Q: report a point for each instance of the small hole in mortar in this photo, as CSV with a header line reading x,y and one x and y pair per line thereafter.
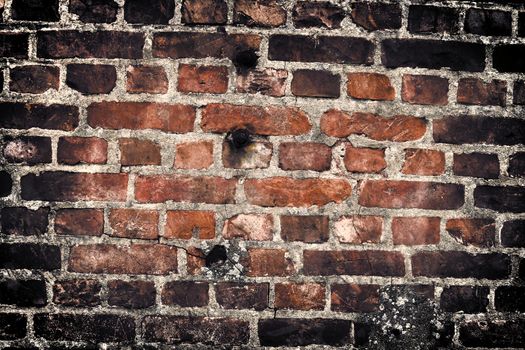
x,y
216,257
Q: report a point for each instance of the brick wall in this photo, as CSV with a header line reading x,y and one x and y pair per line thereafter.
x,y
252,173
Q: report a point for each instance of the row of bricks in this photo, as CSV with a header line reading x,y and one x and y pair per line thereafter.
x,y
184,224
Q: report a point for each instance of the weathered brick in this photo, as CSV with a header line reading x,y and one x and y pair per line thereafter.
x,y
411,194
283,192
91,79
35,10
315,83
253,227
139,152
492,333
303,332
149,12
415,230
205,189
352,262
503,58
433,19
94,11
423,162
174,118
185,293
476,232
77,292
459,264
194,155
6,184
262,262
30,256
24,221
433,54
202,79
329,49
259,13
304,156
74,150
510,298
299,296
481,129
270,120
308,229
14,45
358,229
185,224
476,165
355,297
146,80
513,234
488,22
376,16
12,326
99,44
399,128
27,149
500,198
521,24
133,259
473,91
470,300
517,164
26,116
268,81
131,295
232,295
425,89
34,79
253,155
364,160
79,327
317,14
196,260
23,293
370,86
134,223
67,186
204,11
519,92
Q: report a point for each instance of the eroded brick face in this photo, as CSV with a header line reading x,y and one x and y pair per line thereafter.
x,y
223,174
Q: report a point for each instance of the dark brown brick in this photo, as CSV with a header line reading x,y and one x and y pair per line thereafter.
x,y
473,91
308,229
316,83
185,293
81,293
34,79
146,79
488,22
500,198
304,156
510,298
433,19
470,300
299,296
355,297
91,79
476,165
79,222
513,234
259,13
30,256
503,58
376,16
519,92
12,326
132,294
149,11
317,14
232,295
24,221
139,152
35,10
204,12
26,116
23,293
476,232
74,150
494,333
27,149
94,11
14,45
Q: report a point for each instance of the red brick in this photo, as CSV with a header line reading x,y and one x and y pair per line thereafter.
x,y
254,155
74,150
270,120
358,229
259,13
304,156
34,79
351,262
476,232
206,189
185,293
355,297
399,128
283,192
308,229
204,12
425,90
266,82
305,296
202,79
364,160
194,155
132,294
139,152
79,222
66,186
231,295
90,79
315,83
134,223
370,86
476,165
185,224
77,292
415,231
196,260
411,194
146,80
473,91
262,262
133,259
141,115
253,227
423,162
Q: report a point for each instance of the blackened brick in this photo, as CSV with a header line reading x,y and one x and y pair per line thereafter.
x,y
185,293
132,294
94,11
23,293
330,49
376,16
517,164
302,332
432,19
521,24
513,234
519,92
493,333
12,326
231,295
24,221
308,229
35,10
468,299
355,297
493,131
98,44
500,198
476,165
27,149
308,14
473,91
26,116
315,83
433,54
90,327
77,292
91,79
34,79
204,11
488,22
149,11
504,58
14,45
6,184
29,256
510,298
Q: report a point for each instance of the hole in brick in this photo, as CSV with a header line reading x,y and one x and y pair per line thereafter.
x,y
245,60
6,184
216,257
240,138
395,332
